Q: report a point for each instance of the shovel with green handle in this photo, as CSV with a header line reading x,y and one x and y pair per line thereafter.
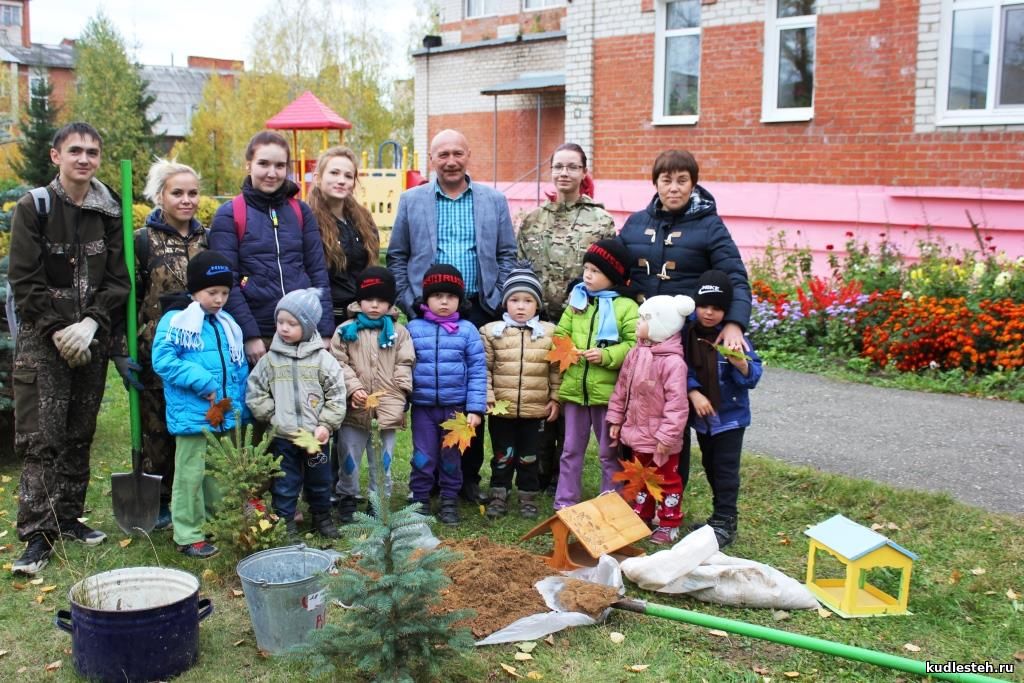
x,y
136,495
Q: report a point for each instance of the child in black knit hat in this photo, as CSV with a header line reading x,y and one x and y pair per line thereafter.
x,y
377,357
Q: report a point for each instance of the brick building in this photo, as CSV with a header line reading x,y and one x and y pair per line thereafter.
x,y
810,115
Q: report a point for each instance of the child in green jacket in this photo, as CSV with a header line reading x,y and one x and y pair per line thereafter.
x,y
601,323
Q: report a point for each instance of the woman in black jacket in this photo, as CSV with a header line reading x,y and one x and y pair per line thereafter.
x,y
351,240
679,236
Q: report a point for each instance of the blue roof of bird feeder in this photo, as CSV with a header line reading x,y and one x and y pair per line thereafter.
x,y
852,540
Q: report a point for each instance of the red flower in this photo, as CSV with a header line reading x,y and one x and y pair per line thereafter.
x,y
849,234
988,238
829,247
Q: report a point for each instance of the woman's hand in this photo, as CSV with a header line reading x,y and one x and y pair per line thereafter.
x,y
255,349
595,356
701,404
732,337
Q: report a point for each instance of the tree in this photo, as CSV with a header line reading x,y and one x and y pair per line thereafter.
x,y
111,95
38,125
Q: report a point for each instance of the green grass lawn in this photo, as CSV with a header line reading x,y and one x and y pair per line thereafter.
x,y
969,559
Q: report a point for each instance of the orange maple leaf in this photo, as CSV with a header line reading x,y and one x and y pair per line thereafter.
x,y
373,400
460,432
218,409
564,353
637,478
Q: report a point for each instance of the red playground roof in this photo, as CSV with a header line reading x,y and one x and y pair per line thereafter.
x,y
307,112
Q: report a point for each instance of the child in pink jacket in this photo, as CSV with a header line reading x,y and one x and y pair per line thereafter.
x,y
648,409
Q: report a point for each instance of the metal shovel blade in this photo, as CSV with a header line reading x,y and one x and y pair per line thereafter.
x,y
136,498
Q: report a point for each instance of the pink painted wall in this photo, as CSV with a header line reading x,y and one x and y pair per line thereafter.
x,y
817,216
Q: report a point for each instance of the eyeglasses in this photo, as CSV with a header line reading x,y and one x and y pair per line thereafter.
x,y
572,168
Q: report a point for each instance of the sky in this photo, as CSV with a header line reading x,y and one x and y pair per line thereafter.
x,y
160,32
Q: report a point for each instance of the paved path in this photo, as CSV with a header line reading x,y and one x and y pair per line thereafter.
x,y
971,448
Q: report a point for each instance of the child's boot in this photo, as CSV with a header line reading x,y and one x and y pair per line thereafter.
x,y
449,513
291,529
346,507
498,505
324,525
528,504
724,528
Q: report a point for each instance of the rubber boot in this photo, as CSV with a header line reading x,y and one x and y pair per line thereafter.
x,y
291,529
528,504
346,508
324,525
724,528
449,513
498,505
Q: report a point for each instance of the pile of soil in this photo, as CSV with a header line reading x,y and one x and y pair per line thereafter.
x,y
496,582
589,598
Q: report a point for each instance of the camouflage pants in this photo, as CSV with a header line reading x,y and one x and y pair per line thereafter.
x,y
55,410
157,444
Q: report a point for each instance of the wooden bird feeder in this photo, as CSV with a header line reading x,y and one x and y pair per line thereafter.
x,y
605,525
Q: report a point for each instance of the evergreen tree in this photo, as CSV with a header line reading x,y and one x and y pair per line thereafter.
x,y
390,630
111,95
38,127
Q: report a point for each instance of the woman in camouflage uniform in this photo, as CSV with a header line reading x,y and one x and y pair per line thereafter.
x,y
554,237
171,237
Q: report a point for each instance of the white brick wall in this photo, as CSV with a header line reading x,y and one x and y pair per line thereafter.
x,y
619,18
579,75
928,38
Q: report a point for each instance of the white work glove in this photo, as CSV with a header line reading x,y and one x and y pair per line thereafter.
x,y
80,359
75,339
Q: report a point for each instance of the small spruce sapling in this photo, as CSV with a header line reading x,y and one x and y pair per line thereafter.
x,y
392,630
244,518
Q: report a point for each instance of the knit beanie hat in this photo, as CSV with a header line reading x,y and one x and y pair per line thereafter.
x,y
442,277
305,305
522,279
208,269
714,288
612,258
376,282
665,315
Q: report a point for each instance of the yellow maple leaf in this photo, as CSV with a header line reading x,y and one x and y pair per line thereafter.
x,y
563,352
306,441
373,400
460,432
499,408
264,524
637,478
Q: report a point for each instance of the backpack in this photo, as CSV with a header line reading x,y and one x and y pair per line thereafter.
x,y
41,200
238,210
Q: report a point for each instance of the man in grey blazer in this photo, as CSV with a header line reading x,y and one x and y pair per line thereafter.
x,y
457,222
462,224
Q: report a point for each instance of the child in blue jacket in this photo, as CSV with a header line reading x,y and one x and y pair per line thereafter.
x,y
450,377
199,355
718,388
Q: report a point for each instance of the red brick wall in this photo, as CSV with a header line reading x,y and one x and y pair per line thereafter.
x,y
517,142
862,132
63,81
485,28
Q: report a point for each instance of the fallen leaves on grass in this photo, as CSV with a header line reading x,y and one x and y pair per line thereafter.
x,y
637,478
47,589
616,637
238,642
1012,594
460,432
527,646
534,675
780,615
510,670
1019,655
824,613
978,571
637,668
563,352
235,593
791,674
718,632
53,666
37,582
124,543
910,647
954,577
522,656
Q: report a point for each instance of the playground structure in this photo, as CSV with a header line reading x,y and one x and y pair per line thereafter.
x,y
379,187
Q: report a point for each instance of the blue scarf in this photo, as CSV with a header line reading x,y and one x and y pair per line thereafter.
x,y
386,337
607,325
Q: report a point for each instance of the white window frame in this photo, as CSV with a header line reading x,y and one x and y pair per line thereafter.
x,y
35,78
534,5
773,26
990,115
484,3
13,11
661,36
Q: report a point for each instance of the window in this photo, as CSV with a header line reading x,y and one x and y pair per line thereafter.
x,y
789,33
36,83
10,15
981,62
541,4
481,8
677,62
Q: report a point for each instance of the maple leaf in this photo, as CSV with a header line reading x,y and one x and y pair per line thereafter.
x,y
563,352
499,408
306,441
637,478
460,432
373,400
218,409
727,352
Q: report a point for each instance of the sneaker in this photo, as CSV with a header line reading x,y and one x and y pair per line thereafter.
x,y
664,535
80,532
498,506
449,513
163,520
200,550
725,530
36,555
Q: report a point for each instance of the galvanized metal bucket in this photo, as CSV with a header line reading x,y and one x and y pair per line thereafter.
x,y
285,593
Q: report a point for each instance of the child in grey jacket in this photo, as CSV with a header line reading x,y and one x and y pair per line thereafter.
x,y
298,385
